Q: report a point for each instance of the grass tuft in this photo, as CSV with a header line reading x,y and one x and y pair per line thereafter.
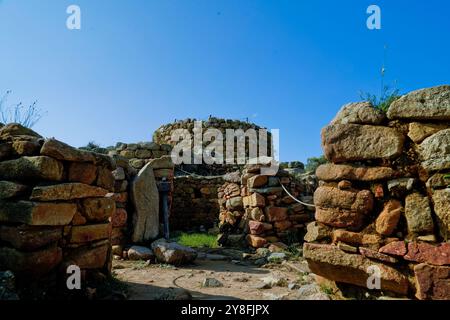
x,y
197,240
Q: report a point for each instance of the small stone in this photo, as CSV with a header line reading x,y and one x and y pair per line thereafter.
x,y
344,185
276,257
396,248
388,219
372,254
418,214
211,283
347,248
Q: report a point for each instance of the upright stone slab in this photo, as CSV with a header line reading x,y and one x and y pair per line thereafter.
x,y
145,198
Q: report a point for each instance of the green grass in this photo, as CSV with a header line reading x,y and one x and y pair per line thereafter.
x,y
197,240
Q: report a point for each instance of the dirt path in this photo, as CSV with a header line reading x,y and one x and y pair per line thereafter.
x,y
156,282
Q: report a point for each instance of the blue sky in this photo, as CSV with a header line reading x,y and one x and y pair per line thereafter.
x,y
286,64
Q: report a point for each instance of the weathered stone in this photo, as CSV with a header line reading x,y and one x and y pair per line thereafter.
x,y
347,248
145,198
425,104
330,262
255,241
119,174
66,191
98,209
344,185
82,172
137,163
428,238
89,233
434,151
37,214
359,113
105,179
254,200
211,283
93,256
427,253
61,151
29,238
78,219
401,186
420,131
26,146
441,200
165,162
16,129
372,254
396,248
418,214
173,253
259,227
30,264
234,203
128,154
388,219
281,226
340,218
31,168
119,218
143,154
352,142
257,181
11,189
432,283
317,231
355,238
274,214
140,253
337,172
354,200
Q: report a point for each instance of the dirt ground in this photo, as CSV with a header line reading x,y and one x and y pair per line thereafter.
x,y
240,280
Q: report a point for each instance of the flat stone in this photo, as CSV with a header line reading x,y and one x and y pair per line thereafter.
x,y
331,263
418,214
347,248
66,191
98,209
353,142
16,129
441,200
359,113
425,104
340,218
438,180
254,200
30,264
432,283
29,238
257,181
420,131
105,179
31,168
37,214
82,172
234,203
259,227
11,189
173,253
388,219
354,200
396,248
62,151
427,253
372,254
93,256
356,238
90,233
145,198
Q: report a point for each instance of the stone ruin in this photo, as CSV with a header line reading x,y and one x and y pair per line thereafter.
x,y
383,202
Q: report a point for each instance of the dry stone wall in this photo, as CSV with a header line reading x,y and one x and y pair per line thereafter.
x,y
384,198
257,212
56,206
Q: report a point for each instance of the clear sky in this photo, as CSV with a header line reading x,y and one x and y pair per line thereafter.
x,y
285,64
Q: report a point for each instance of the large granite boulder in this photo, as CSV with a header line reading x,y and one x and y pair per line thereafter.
x,y
338,172
435,151
353,142
426,104
145,198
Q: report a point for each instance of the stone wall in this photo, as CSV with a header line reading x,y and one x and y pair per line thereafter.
x,y
139,154
257,211
384,200
56,205
195,203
